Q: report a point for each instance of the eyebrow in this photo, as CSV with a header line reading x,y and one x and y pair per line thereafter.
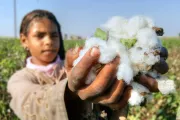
x,y
53,32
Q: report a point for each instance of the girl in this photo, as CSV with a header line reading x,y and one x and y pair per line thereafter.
x,y
45,90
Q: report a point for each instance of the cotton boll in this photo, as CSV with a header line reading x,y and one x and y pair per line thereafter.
x,y
151,59
120,49
150,22
107,54
147,37
125,72
135,24
117,45
116,27
165,85
93,41
136,55
136,98
115,23
118,34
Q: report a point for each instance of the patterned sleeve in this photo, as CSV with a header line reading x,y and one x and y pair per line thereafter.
x,y
32,101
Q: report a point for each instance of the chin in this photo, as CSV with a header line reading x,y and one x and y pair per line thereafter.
x,y
49,59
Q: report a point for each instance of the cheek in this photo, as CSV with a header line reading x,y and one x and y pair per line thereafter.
x,y
57,44
35,47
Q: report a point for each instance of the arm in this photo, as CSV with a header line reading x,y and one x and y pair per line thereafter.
x,y
33,101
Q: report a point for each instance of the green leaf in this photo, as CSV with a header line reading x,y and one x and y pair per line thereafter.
x,y
172,77
128,42
101,34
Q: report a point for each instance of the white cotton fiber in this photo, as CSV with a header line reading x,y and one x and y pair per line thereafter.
x,y
135,24
147,38
150,59
165,85
125,72
115,24
116,27
107,54
142,62
136,98
150,22
117,45
93,41
137,55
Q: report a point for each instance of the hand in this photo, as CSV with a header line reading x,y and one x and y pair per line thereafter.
x,y
105,89
102,90
161,67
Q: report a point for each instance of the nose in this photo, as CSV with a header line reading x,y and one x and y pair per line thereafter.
x,y
48,40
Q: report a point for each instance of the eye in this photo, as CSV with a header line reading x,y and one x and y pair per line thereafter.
x,y
54,35
40,35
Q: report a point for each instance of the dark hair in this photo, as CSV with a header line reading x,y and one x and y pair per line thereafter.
x,y
35,14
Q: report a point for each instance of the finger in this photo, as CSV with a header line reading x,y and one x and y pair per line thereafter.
x,y
114,94
71,55
102,82
76,77
124,99
148,82
164,53
161,66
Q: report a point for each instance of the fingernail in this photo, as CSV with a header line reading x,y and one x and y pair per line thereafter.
x,y
95,52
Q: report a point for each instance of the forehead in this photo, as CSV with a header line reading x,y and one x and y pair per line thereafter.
x,y
42,25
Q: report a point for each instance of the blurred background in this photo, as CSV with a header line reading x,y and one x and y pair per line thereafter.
x,y
79,19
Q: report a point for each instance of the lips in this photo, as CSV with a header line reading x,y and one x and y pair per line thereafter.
x,y
49,51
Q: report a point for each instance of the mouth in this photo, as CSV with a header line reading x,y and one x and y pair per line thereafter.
x,y
49,51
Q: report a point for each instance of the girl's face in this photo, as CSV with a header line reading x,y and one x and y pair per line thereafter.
x,y
42,40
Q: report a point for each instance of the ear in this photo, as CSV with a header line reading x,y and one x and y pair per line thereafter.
x,y
24,41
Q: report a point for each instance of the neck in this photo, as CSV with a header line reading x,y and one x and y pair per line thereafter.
x,y
40,63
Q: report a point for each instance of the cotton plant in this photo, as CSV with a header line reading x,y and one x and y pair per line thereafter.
x,y
138,46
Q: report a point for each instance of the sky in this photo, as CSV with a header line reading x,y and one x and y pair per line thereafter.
x,y
82,17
